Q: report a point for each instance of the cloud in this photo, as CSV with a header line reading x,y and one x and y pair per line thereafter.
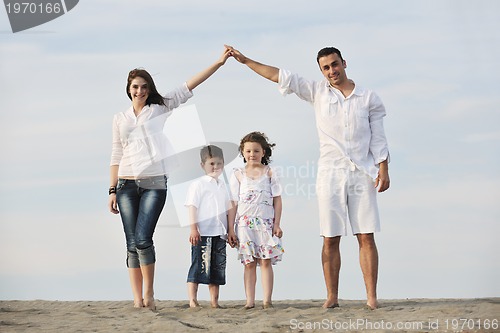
x,y
482,137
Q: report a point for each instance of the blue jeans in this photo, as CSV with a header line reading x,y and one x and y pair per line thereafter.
x,y
140,203
208,261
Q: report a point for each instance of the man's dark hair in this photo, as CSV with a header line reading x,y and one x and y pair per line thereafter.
x,y
327,51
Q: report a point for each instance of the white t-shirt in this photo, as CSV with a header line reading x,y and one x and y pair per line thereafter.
x,y
211,199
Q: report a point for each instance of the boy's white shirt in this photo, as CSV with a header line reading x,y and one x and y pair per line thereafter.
x,y
210,197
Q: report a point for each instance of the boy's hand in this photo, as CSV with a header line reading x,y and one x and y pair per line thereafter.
x,y
232,239
194,237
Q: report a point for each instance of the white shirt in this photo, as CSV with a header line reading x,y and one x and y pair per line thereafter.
x,y
140,147
211,199
350,129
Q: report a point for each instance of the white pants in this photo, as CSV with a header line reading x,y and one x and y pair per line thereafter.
x,y
346,196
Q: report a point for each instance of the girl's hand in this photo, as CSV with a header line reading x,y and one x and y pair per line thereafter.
x,y
112,204
277,231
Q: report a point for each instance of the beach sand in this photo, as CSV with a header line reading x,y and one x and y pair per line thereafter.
x,y
410,315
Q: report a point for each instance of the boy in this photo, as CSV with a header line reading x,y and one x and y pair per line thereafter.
x,y
208,203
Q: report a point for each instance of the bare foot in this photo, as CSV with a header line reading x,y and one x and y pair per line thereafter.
x,y
267,305
372,305
330,304
249,306
194,304
150,303
138,304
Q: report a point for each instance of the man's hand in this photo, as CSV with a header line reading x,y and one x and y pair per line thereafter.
x,y
269,72
383,182
236,54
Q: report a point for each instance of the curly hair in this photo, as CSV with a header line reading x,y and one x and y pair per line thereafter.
x,y
261,139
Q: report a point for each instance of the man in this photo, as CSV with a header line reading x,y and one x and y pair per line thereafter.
x,y
353,161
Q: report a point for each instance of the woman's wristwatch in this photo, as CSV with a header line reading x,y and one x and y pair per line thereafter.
x,y
112,189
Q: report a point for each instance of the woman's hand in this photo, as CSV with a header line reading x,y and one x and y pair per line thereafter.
x,y
112,204
202,76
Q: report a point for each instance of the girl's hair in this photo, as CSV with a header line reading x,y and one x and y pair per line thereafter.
x,y
154,96
261,139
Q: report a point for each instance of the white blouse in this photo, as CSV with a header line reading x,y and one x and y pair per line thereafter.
x,y
140,147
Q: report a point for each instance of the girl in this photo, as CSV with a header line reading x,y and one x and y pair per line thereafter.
x,y
138,180
256,192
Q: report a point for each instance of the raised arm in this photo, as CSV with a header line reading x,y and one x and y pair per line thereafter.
x,y
199,78
269,72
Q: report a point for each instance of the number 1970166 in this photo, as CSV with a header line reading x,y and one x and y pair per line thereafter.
x,y
33,8
462,323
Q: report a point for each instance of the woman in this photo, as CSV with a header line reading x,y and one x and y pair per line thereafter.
x,y
138,181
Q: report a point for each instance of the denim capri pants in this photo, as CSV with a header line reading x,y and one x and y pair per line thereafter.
x,y
208,261
140,202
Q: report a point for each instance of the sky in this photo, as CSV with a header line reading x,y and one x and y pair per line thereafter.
x,y
433,63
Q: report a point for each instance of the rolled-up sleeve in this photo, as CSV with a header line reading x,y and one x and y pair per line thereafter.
x,y
178,96
378,143
289,83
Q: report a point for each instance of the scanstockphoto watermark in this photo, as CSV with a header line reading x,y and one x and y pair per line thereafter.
x,y
433,324
357,325
26,14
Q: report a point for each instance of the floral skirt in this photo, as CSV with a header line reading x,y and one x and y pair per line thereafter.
x,y
256,240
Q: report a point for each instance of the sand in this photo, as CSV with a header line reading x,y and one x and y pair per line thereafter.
x,y
410,315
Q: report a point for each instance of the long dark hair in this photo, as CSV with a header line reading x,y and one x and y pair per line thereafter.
x,y
261,139
154,96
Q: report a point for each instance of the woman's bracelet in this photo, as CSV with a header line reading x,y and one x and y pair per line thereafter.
x,y
112,190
